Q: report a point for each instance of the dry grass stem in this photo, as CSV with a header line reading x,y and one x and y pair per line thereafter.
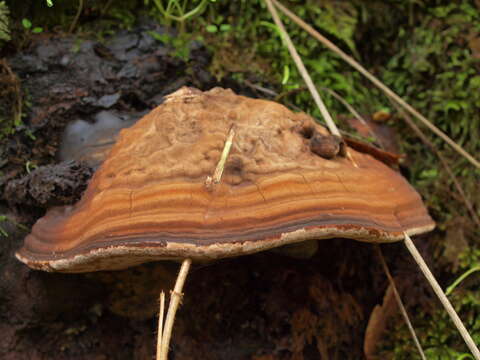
x,y
374,80
175,299
217,175
442,297
161,314
356,115
400,302
260,88
303,71
346,104
350,157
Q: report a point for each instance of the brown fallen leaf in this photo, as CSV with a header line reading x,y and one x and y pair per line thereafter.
x,y
377,324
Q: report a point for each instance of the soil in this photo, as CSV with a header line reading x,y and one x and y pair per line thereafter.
x,y
265,306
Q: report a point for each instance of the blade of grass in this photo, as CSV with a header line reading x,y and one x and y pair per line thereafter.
x,y
460,279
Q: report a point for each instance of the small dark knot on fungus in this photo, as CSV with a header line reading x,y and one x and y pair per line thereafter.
x,y
326,146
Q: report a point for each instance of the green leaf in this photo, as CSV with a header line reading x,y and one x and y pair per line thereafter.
x,y
429,174
164,38
286,74
211,28
27,24
225,27
475,82
451,105
37,30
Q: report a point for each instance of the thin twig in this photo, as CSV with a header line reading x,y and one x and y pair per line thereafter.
x,y
303,71
260,88
444,163
77,16
175,298
273,94
290,92
400,302
217,175
161,315
375,81
441,296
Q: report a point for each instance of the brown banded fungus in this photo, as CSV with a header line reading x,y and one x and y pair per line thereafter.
x,y
283,182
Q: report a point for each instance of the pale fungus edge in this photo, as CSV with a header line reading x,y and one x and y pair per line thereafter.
x,y
123,256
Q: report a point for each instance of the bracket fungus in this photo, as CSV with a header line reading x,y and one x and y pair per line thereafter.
x,y
283,182
208,175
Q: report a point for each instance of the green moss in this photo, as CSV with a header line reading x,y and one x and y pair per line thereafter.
x,y
4,21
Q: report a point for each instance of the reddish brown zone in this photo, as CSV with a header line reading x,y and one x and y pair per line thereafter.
x,y
386,157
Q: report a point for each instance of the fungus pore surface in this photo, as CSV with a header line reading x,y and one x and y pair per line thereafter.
x,y
149,199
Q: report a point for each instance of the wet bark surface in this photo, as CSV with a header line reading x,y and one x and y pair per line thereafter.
x,y
264,306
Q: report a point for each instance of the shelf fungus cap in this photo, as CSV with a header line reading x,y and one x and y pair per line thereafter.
x,y
149,200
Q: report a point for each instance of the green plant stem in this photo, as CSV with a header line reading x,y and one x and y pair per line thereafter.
x,y
196,11
77,16
460,279
183,16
